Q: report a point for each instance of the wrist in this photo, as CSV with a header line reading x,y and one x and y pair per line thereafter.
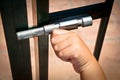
x,y
81,65
91,63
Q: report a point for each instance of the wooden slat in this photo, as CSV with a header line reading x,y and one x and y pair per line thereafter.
x,y
42,17
14,15
43,57
32,21
102,30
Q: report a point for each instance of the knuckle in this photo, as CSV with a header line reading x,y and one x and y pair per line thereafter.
x,y
60,54
52,40
55,47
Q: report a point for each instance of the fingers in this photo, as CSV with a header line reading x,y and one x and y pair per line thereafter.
x,y
59,31
59,35
65,54
68,46
61,45
58,38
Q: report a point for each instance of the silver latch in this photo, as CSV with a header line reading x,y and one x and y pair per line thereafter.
x,y
47,29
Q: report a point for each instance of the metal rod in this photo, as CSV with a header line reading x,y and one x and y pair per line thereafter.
x,y
47,29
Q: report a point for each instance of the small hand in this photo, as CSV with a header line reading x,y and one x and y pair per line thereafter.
x,y
69,47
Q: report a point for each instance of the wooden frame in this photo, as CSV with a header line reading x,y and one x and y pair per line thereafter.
x,y
14,17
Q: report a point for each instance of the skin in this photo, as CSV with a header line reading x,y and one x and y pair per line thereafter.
x,y
69,47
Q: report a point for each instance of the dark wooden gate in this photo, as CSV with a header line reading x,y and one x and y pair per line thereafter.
x,y
14,18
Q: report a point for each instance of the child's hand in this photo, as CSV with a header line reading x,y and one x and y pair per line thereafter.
x,y
69,47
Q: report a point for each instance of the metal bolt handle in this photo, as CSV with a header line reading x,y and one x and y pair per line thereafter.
x,y
47,29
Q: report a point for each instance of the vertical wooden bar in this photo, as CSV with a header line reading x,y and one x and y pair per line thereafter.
x,y
102,30
42,15
32,21
14,15
43,57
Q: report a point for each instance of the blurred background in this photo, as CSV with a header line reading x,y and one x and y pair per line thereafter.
x,y
59,70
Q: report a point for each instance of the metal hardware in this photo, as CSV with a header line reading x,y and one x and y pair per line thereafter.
x,y
47,29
